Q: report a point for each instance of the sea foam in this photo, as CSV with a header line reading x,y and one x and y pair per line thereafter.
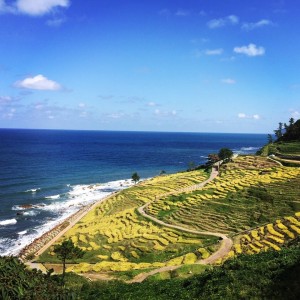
x,y
8,222
62,207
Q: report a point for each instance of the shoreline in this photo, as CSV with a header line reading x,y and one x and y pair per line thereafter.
x,y
42,243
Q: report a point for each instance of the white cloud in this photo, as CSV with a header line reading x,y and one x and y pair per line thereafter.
x,y
117,115
295,114
56,22
10,114
33,7
228,81
210,52
5,100
38,82
245,116
151,103
39,7
182,13
217,23
233,19
165,114
259,24
214,51
250,50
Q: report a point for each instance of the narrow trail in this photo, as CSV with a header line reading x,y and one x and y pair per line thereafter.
x,y
224,249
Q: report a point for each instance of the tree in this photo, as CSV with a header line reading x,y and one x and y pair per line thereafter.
x,y
67,250
192,165
211,160
270,139
225,154
278,132
135,177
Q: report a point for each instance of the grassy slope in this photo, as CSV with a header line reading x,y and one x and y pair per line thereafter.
x,y
250,192
241,198
116,238
268,275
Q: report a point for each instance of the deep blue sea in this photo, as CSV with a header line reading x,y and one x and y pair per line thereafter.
x,y
46,175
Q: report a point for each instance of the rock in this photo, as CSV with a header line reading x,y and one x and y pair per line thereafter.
x,y
26,206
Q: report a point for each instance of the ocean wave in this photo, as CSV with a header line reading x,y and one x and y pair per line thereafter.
x,y
249,148
22,232
53,197
8,222
31,213
32,190
64,207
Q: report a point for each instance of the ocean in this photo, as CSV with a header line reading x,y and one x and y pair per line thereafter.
x,y
47,175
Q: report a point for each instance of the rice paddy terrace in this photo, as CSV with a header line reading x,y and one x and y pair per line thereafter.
x,y
253,200
249,192
116,238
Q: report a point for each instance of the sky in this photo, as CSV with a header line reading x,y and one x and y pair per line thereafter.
x,y
153,65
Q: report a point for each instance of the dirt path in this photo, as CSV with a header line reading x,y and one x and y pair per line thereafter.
x,y
53,235
224,249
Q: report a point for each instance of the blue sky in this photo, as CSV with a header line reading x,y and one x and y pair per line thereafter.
x,y
168,65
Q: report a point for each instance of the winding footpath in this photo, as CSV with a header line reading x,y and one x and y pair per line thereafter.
x,y
223,250
44,242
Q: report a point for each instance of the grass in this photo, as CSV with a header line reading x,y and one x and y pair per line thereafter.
x,y
114,233
241,198
250,192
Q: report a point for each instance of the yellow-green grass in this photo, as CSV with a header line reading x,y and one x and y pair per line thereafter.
x,y
272,236
115,238
239,199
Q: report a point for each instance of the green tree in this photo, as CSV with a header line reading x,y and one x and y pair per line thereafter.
x,y
225,154
211,159
270,139
135,177
192,165
67,250
278,132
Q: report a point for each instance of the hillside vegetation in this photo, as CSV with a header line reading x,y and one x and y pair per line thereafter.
x,y
267,275
254,201
116,238
249,193
286,148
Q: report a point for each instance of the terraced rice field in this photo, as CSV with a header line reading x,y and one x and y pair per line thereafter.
x,y
271,236
116,238
249,193
242,197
